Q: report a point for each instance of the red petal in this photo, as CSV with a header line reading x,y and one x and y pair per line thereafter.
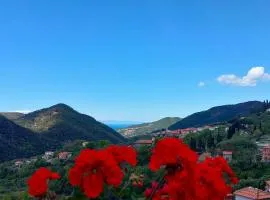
x,y
93,185
55,176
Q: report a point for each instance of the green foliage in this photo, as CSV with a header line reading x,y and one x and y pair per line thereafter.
x,y
16,141
143,155
205,140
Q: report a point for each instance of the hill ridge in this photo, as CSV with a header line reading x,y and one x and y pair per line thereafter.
x,y
218,114
148,127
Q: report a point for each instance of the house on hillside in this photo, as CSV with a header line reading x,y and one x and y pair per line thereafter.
x,y
84,144
64,155
265,151
211,128
268,110
139,143
227,155
18,163
250,193
48,155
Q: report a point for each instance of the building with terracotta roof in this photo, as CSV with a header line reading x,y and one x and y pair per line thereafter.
x,y
140,143
64,155
250,193
266,153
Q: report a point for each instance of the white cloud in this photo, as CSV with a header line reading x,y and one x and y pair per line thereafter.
x,y
201,84
254,75
22,111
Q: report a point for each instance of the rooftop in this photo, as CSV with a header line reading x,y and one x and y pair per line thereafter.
x,y
252,193
227,152
143,142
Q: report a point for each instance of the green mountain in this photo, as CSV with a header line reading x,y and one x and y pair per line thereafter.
x,y
218,114
11,115
63,124
49,129
145,128
17,142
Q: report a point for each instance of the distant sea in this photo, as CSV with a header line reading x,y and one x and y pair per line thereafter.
x,y
118,126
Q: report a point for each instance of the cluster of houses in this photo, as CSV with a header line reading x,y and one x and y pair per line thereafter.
x,y
182,132
179,133
48,156
130,132
19,163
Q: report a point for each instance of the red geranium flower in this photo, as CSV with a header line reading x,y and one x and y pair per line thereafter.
x,y
171,152
92,169
208,179
123,154
38,182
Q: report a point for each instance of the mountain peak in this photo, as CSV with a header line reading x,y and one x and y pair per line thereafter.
x,y
63,123
61,106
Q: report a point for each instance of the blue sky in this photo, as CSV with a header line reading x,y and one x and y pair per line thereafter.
x,y
133,60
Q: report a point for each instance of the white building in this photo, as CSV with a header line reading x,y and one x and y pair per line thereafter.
x,y
48,155
84,144
18,163
227,155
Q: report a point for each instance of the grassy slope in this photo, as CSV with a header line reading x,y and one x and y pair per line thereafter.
x,y
62,123
152,126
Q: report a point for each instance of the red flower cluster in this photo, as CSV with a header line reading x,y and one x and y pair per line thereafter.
x,y
171,152
123,154
185,177
38,182
94,168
